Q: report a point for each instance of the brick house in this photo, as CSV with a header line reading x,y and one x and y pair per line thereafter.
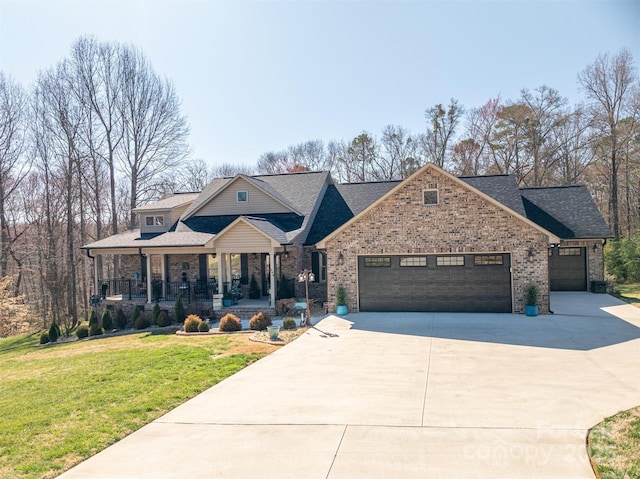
x,y
432,242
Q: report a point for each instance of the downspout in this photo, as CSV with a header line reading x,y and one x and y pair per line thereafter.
x,y
95,271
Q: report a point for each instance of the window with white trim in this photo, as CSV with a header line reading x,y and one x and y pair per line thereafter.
x,y
157,220
242,196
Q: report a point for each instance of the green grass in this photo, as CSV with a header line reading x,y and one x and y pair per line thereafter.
x,y
614,446
629,293
61,404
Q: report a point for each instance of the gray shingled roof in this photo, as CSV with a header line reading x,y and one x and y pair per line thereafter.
x,y
503,188
168,203
359,196
267,228
567,211
133,239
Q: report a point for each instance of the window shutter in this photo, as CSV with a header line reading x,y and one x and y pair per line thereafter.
x,y
244,268
202,267
315,264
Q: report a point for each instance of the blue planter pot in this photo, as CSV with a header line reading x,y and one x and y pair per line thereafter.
x,y
531,310
342,309
226,303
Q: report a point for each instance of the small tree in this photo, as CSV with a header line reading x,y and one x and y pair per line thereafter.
x,y
107,321
155,313
54,332
178,310
254,291
94,324
121,319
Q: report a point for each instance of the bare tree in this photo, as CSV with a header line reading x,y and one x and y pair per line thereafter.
x,y
608,84
441,129
155,132
13,104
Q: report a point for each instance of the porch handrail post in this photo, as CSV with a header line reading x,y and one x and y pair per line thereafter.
x,y
129,289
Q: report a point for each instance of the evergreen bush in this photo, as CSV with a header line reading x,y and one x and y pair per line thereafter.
x,y
178,310
155,313
203,327
142,321
44,338
121,319
254,291
163,319
94,325
54,332
82,331
289,323
107,322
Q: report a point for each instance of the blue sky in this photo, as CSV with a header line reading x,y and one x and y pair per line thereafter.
x,y
260,76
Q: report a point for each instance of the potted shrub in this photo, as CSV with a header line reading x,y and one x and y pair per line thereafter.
x,y
227,299
341,301
531,301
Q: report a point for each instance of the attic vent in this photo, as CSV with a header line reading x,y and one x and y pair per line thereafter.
x,y
242,196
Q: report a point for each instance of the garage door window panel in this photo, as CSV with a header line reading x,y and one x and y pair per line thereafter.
x,y
450,261
413,261
377,262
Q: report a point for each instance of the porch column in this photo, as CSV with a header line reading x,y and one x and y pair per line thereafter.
x,y
220,284
95,275
227,267
163,273
272,277
149,279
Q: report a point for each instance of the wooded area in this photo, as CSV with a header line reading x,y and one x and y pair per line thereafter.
x,y
101,133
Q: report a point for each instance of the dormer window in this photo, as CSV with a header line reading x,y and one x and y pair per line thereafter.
x,y
154,220
242,196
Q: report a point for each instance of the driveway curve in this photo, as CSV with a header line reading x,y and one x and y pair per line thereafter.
x,y
409,395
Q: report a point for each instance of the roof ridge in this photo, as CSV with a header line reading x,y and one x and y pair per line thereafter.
x,y
369,182
550,187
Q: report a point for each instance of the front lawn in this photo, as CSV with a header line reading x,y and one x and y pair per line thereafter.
x,y
614,446
61,404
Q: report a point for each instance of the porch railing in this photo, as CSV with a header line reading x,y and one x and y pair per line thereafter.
x,y
200,290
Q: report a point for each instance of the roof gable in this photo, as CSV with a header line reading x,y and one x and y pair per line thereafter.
x,y
463,184
222,199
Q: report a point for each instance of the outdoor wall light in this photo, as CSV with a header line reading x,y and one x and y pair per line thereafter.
x,y
530,255
340,258
595,247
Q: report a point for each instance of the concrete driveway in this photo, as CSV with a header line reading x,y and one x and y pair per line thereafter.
x,y
405,396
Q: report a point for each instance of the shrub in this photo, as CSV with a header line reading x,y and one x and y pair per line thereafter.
x,y
285,306
531,297
178,309
285,289
203,327
82,331
259,321
94,325
191,323
107,322
254,291
142,321
163,319
341,296
44,338
289,323
155,313
230,322
54,332
121,319
135,315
